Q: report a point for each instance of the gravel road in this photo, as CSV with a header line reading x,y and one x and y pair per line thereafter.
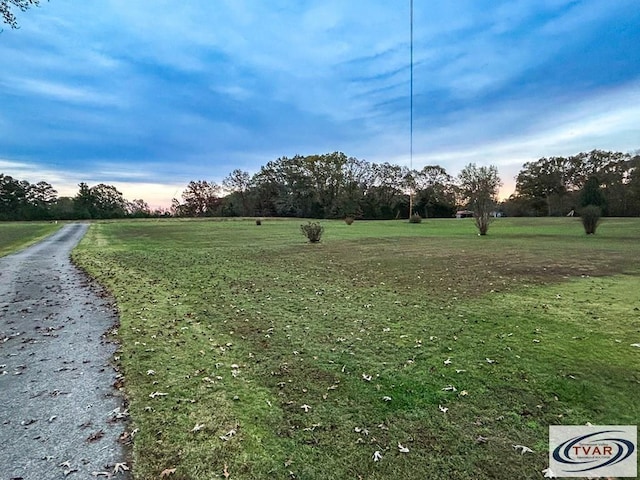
x,y
60,416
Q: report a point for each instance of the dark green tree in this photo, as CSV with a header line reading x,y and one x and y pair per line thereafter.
x,y
546,179
13,198
108,202
40,199
434,194
238,182
201,199
83,202
591,194
99,201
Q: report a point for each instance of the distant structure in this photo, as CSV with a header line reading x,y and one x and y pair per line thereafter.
x,y
464,214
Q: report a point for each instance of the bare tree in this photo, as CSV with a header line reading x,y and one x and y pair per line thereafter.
x,y
479,188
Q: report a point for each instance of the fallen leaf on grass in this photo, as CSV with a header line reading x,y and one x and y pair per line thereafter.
x,y
227,435
377,456
225,472
635,345
443,409
167,471
198,427
306,408
402,449
548,473
157,394
523,449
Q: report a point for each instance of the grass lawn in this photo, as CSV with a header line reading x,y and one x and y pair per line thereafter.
x,y
15,236
248,353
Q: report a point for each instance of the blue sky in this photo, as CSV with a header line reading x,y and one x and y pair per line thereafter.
x,y
148,95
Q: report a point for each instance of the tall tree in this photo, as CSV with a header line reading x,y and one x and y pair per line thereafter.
x,y
546,178
387,196
434,192
99,201
13,198
239,182
138,208
83,202
41,197
591,194
201,198
479,188
633,187
109,202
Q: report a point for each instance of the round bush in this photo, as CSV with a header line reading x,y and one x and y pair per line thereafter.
x,y
313,231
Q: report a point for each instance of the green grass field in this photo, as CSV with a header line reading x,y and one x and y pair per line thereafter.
x,y
248,353
15,236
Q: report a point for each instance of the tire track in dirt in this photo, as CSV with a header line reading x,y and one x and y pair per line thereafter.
x,y
59,413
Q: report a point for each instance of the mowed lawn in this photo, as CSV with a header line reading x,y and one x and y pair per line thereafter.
x,y
15,236
389,350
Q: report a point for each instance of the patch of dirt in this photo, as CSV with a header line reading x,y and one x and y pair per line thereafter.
x,y
56,374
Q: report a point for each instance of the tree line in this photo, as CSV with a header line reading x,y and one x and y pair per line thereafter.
x,y
558,185
21,200
323,186
333,185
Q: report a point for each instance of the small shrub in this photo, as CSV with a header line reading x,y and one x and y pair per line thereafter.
x,y
415,218
349,220
258,221
313,231
590,216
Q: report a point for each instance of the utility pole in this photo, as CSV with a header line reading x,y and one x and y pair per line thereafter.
x,y
411,108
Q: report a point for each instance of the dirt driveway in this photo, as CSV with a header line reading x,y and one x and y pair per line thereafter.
x,y
60,416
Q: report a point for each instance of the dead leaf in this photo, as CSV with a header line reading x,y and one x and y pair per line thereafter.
x,y
198,427
120,467
226,471
167,471
94,437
